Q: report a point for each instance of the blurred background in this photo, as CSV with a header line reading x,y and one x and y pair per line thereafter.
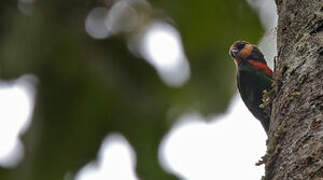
x,y
128,89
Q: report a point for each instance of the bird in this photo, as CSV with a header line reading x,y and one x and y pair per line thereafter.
x,y
254,78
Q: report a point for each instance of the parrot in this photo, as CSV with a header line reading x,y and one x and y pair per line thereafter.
x,y
254,78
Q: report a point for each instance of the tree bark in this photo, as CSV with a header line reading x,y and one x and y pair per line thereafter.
x,y
295,142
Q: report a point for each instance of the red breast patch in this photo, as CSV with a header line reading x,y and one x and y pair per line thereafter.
x,y
261,66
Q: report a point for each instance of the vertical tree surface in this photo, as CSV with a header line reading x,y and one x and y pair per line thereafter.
x,y
295,146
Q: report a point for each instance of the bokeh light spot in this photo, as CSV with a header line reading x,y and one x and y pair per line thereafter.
x,y
161,46
122,17
196,150
116,160
94,23
25,6
16,105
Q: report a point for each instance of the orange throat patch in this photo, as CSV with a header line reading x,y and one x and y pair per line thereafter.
x,y
247,50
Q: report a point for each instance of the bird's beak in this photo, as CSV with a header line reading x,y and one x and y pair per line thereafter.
x,y
234,52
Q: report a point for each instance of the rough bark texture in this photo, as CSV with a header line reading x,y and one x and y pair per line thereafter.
x,y
295,145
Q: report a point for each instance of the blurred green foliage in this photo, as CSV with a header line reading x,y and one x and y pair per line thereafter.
x,y
89,88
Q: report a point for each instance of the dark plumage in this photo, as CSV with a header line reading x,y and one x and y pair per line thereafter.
x,y
253,77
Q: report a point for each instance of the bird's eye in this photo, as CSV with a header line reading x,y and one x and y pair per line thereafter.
x,y
234,52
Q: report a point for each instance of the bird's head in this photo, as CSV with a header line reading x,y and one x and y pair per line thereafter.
x,y
242,51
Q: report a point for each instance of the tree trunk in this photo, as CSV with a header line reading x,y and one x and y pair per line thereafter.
x,y
295,144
